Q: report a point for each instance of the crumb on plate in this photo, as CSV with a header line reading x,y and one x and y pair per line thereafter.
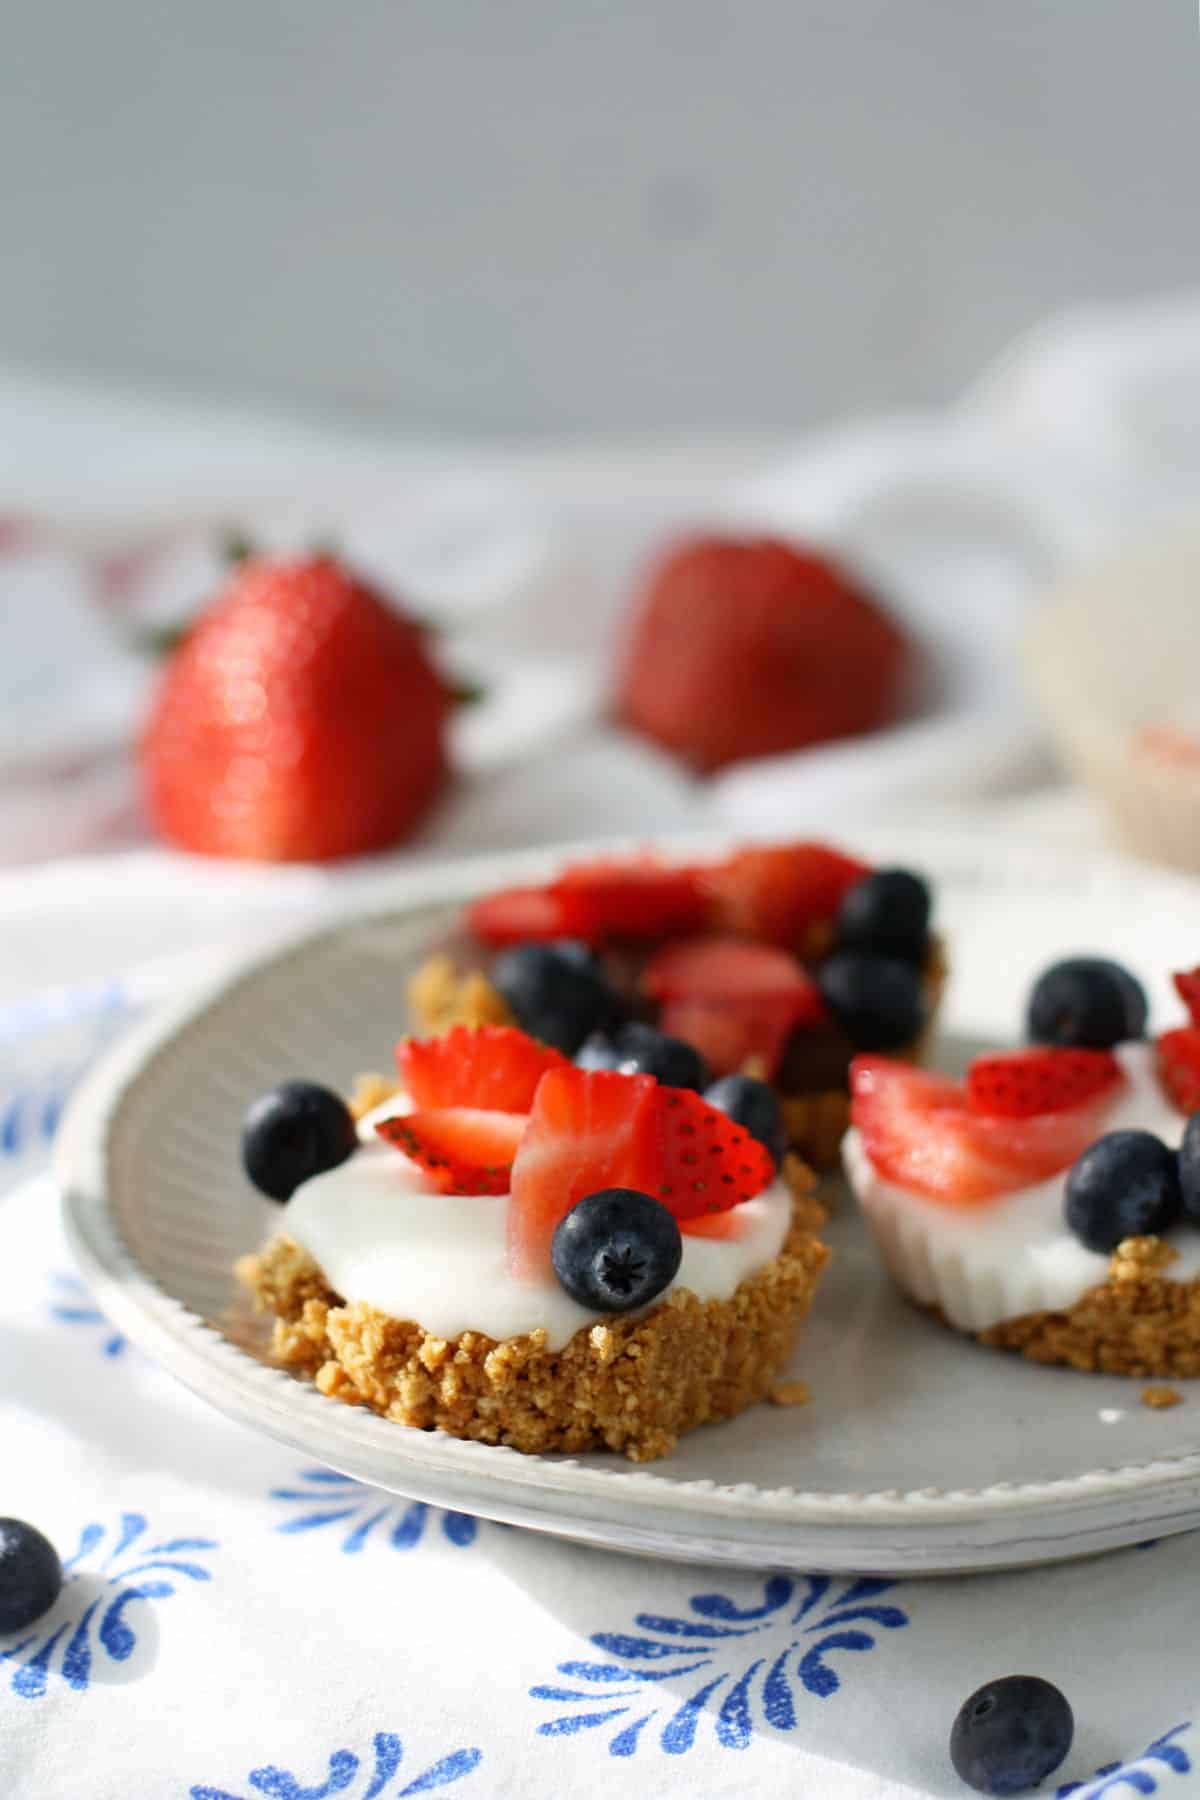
x,y
1161,1397
790,1393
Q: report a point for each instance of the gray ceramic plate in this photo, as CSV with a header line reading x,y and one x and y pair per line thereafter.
x,y
919,1451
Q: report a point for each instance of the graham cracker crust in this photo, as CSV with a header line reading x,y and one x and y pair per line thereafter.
x,y
627,1384
1137,1322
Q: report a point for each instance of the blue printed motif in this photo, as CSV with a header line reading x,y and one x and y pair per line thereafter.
x,y
1138,1777
330,1499
755,1658
345,1771
57,1036
131,1571
74,1306
29,1117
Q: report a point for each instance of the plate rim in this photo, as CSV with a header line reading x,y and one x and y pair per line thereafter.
x,y
213,1366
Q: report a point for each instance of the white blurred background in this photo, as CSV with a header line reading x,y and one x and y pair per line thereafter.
x,y
514,217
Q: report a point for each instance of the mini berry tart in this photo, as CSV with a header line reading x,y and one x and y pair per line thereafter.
x,y
525,1252
780,962
1046,1205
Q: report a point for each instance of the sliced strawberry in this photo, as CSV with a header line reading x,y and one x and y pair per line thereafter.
x,y
708,1162
1187,986
919,1132
777,893
466,1149
636,898
587,1130
730,1033
495,1067
726,968
1021,1084
521,915
1179,1067
732,999
615,898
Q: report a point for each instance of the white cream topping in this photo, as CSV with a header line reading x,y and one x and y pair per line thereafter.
x,y
1003,1258
382,1235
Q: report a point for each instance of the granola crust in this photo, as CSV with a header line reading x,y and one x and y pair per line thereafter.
x,y
441,996
632,1385
1137,1322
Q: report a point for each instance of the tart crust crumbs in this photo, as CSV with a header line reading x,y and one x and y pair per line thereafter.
x,y
632,1385
441,996
1137,1322
1161,1397
790,1393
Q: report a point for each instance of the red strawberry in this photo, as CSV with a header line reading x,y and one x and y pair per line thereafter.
x,y
466,1149
636,898
919,1132
494,1067
732,999
519,915
742,648
632,898
1021,1084
777,893
1187,986
709,1163
725,968
1179,1067
588,1130
301,719
730,1033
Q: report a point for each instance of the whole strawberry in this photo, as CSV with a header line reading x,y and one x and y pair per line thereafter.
x,y
746,648
300,720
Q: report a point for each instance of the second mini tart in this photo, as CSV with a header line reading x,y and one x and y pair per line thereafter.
x,y
1044,1207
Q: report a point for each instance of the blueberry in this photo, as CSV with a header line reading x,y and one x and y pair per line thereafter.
x,y
638,1049
1011,1734
558,991
1088,1001
616,1250
1189,1170
751,1104
888,912
875,999
297,1130
1124,1185
31,1575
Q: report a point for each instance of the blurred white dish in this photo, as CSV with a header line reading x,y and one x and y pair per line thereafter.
x,y
919,1452
1113,656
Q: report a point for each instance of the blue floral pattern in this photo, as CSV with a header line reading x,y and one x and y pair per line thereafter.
x,y
349,1774
749,1664
73,1305
132,1570
330,1500
1142,1776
